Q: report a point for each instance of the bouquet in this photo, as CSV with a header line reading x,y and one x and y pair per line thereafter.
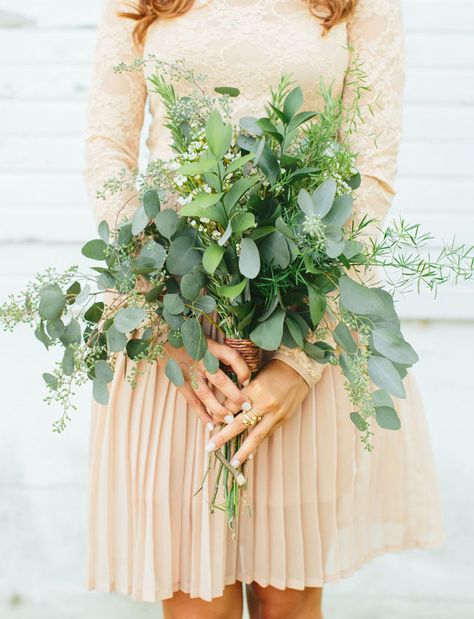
x,y
264,243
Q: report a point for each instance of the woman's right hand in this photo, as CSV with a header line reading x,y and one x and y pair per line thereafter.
x,y
198,382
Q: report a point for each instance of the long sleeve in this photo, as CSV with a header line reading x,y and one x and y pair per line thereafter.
x,y
375,33
115,114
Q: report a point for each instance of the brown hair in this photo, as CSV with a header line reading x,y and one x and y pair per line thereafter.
x,y
145,12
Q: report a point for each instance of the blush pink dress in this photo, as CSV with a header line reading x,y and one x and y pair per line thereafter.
x,y
321,506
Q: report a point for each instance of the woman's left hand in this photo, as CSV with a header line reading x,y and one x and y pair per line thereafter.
x,y
275,393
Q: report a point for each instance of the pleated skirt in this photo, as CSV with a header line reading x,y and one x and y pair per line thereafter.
x,y
318,506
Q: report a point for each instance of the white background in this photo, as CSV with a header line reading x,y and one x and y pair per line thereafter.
x,y
45,53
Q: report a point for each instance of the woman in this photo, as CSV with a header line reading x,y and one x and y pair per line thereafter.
x,y
321,506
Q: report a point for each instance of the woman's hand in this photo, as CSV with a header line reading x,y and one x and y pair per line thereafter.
x,y
197,388
275,393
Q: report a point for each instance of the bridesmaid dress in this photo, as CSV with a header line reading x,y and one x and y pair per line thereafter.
x,y
321,506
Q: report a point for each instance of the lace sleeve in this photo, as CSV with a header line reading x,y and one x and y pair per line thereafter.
x,y
375,33
115,114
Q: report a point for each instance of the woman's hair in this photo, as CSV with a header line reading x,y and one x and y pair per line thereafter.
x,y
145,12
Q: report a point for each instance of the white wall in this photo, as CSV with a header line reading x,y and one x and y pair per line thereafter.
x,y
44,72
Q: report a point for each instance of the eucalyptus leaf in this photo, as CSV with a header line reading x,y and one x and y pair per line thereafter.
x,y
174,338
384,375
340,212
127,319
249,259
194,340
94,312
205,304
95,249
227,90
268,334
51,380
250,124
359,422
211,363
151,203
389,342
182,255
387,418
103,371
359,299
317,305
323,197
100,391
167,222
295,330
136,348
381,398
52,302
103,230
67,363
274,250
174,373
305,203
139,220
116,341
344,338
55,328
242,222
173,304
72,333
190,287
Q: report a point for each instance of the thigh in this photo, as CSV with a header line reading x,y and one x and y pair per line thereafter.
x,y
271,603
227,606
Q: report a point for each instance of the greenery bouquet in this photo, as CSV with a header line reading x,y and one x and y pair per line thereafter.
x,y
263,242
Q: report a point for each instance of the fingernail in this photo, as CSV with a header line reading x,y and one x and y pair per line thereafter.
x,y
210,446
246,382
240,479
250,457
229,419
246,406
210,426
235,462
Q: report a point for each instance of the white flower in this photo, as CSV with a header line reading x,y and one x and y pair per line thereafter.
x,y
205,220
207,188
216,235
180,180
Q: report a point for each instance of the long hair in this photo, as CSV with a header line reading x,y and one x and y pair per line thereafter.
x,y
145,12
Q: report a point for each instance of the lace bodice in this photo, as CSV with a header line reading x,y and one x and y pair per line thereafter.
x,y
248,44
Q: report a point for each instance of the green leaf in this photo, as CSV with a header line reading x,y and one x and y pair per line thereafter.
x,y
323,197
194,340
274,250
52,302
359,299
155,252
205,200
295,330
297,174
236,164
344,338
173,304
382,398
249,259
190,286
389,342
116,341
67,363
214,213
387,418
226,236
73,292
94,312
95,249
250,124
212,257
139,220
154,293
234,290
151,203
104,231
305,202
72,333
174,322
174,338
174,373
340,212
106,280
103,371
100,391
268,334
238,189
55,328
317,305
182,255
242,222
359,422
211,363
167,222
51,380
334,248
299,119
125,234
384,375
293,102
137,348
219,135
227,90
352,248
129,318
205,304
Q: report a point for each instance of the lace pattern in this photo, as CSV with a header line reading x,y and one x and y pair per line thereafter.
x,y
248,44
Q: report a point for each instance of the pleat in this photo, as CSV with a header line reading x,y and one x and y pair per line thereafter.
x,y
317,505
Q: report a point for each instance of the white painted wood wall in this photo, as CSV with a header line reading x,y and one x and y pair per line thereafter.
x,y
45,52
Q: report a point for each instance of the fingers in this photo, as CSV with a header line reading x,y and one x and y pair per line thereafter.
x,y
232,358
215,408
229,389
227,433
255,436
197,406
